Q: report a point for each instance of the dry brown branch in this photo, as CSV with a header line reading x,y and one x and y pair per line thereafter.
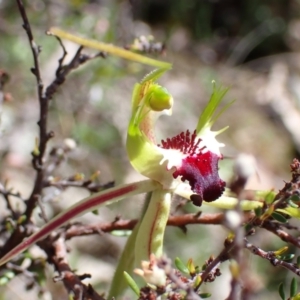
x,y
177,221
271,257
56,253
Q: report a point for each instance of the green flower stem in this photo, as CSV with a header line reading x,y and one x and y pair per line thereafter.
x,y
126,261
152,228
88,204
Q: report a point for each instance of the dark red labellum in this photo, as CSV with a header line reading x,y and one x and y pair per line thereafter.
x,y
201,171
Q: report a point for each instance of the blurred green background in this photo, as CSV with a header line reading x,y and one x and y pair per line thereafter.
x,y
251,46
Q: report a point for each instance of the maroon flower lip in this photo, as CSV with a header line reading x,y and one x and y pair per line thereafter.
x,y
199,168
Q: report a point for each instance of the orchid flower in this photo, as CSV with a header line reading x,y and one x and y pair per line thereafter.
x,y
188,157
186,164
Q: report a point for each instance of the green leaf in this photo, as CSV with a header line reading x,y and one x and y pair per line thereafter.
x,y
291,211
197,281
258,211
191,267
205,295
278,217
270,197
281,291
287,257
181,266
132,284
295,198
292,204
95,212
248,227
293,287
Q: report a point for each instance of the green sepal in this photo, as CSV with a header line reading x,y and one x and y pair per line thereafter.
x,y
208,117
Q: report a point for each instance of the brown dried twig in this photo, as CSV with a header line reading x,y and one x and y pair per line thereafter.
x,y
56,254
177,221
271,257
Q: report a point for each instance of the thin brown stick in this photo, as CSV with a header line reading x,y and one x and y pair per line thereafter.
x,y
57,256
270,256
37,156
177,221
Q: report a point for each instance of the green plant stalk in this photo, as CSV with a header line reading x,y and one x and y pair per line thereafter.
x,y
126,261
151,231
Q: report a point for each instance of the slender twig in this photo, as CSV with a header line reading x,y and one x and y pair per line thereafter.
x,y
176,221
223,256
42,214
37,156
6,195
86,184
275,228
57,256
270,256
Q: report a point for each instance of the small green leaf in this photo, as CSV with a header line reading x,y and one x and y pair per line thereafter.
x,y
95,212
281,291
281,251
291,211
132,284
21,219
270,197
293,287
248,227
205,295
278,217
197,281
191,267
258,211
181,266
287,257
292,204
295,198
